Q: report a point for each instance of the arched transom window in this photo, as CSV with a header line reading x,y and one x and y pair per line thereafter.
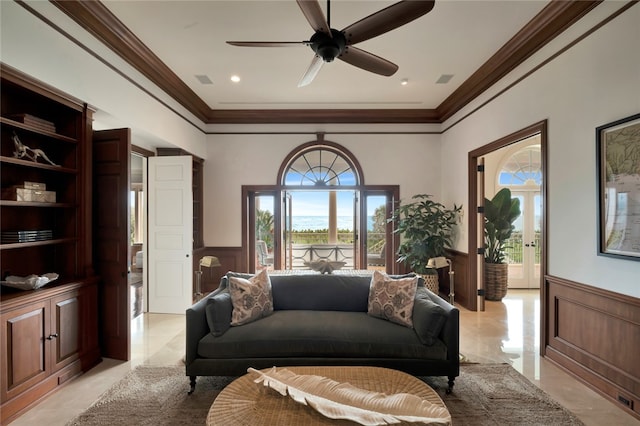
x,y
524,167
320,166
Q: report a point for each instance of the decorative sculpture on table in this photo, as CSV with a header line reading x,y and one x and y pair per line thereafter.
x,y
23,151
324,266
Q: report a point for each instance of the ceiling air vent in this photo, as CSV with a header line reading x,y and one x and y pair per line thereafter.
x,y
203,79
444,78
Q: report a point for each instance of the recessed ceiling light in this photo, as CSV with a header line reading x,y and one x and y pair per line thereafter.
x,y
235,78
404,81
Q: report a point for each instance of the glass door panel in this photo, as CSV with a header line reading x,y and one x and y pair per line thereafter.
x,y
515,247
523,248
376,232
264,232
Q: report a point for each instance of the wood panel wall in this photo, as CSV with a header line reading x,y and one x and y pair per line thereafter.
x,y
464,291
594,334
230,259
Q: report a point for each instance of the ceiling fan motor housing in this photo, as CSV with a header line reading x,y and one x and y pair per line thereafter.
x,y
328,48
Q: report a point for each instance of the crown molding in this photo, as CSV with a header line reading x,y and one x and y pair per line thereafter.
x,y
98,20
300,116
556,17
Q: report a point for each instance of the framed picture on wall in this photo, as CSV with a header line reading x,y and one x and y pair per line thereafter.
x,y
618,155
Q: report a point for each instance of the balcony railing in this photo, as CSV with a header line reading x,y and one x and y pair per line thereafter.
x,y
514,247
301,253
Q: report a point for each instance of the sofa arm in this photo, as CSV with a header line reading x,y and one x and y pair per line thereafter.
x,y
450,333
196,328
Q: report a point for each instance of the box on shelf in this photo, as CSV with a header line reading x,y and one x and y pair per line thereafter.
x,y
26,194
35,185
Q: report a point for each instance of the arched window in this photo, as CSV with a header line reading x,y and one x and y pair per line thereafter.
x,y
320,165
320,211
524,167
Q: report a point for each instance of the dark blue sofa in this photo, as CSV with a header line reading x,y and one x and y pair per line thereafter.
x,y
321,320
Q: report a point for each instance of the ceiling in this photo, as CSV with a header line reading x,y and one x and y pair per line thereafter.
x,y
173,42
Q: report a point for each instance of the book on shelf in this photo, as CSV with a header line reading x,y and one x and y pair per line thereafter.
x,y
8,237
33,121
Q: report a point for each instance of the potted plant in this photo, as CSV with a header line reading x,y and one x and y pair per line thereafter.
x,y
426,230
499,215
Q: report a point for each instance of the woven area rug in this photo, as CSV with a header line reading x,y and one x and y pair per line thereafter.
x,y
484,394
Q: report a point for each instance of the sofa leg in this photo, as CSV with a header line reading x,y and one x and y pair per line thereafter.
x,y
192,383
450,388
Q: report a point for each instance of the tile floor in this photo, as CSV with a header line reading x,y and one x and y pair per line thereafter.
x,y
507,331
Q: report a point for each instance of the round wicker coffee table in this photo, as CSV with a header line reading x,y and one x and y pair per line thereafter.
x,y
244,402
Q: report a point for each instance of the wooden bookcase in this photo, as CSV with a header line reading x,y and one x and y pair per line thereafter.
x,y
47,335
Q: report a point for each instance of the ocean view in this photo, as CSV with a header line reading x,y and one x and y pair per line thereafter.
x,y
313,223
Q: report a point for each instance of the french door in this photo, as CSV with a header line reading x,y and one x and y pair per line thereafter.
x,y
524,246
287,233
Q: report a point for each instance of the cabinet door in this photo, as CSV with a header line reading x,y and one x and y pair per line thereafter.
x,y
65,329
24,333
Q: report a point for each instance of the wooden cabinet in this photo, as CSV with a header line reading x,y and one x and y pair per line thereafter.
x,y
44,236
46,338
48,335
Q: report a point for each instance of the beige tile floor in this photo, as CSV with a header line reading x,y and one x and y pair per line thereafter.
x,y
507,331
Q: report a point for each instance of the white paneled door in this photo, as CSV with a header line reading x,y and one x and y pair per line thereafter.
x,y
170,234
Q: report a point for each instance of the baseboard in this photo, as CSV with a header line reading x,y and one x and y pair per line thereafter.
x,y
593,334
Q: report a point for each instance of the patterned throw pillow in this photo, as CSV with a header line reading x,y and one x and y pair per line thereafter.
x,y
251,298
392,299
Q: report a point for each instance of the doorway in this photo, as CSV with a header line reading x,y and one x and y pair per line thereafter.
x,y
477,170
319,211
138,226
518,168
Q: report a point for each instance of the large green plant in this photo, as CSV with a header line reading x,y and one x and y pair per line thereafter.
x,y
264,227
499,215
426,228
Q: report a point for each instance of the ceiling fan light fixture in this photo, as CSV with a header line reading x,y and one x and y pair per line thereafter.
x,y
328,43
328,47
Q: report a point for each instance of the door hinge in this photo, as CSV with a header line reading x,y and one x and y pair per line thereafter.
x,y
481,292
480,168
480,209
481,250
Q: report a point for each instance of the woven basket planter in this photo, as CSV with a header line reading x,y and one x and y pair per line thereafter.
x,y
431,282
495,280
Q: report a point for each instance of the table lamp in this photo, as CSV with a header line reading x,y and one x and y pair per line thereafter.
x,y
441,262
207,262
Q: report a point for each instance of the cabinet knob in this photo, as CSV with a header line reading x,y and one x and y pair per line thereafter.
x,y
52,336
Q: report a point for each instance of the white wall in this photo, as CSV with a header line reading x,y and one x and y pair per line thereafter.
x,y
38,50
409,160
595,82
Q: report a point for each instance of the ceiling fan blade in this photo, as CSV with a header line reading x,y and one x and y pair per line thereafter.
x,y
268,43
386,20
312,71
368,61
313,12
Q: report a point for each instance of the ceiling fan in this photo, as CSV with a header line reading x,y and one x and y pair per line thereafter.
x,y
329,43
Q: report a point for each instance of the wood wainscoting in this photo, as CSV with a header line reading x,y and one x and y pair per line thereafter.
x,y
230,259
594,334
464,293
